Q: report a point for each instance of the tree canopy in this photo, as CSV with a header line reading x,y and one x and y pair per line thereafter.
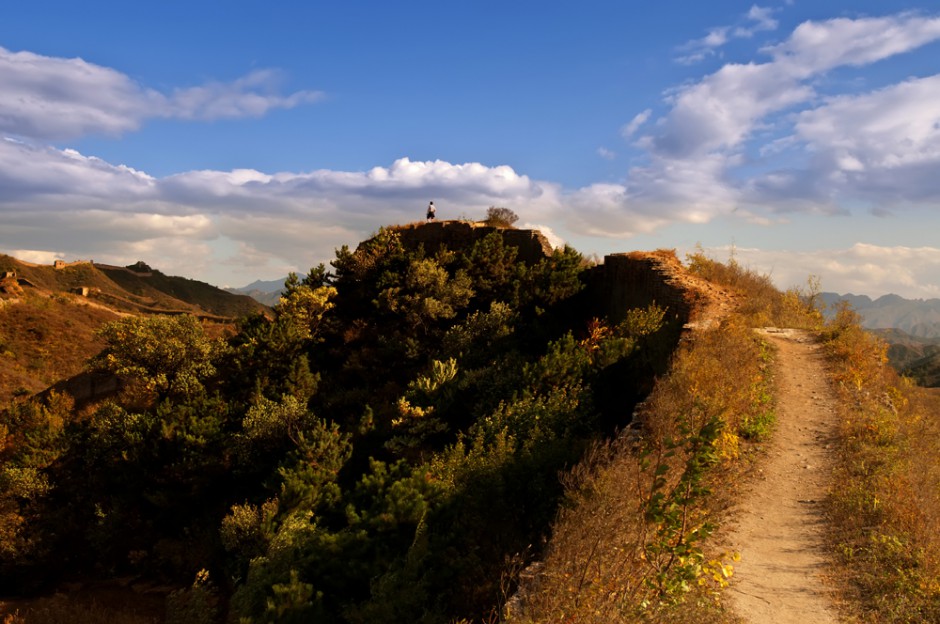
x,y
374,452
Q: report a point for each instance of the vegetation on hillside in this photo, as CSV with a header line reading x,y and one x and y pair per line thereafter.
x,y
886,512
44,340
47,332
374,453
633,544
387,448
136,288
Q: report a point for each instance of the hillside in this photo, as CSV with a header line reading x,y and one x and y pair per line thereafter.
x,y
910,327
267,292
917,317
406,408
45,340
418,436
136,288
911,356
49,315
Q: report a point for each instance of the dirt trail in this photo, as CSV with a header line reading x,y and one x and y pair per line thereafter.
x,y
778,525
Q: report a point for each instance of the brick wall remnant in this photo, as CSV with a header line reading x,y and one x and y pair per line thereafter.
x,y
461,235
62,264
636,280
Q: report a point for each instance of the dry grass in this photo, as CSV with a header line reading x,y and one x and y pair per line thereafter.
x,y
613,557
44,340
762,303
60,609
886,512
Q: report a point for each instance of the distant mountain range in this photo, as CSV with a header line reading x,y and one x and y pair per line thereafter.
x,y
911,327
917,317
266,292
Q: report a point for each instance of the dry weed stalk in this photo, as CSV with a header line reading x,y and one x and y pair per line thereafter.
x,y
886,513
632,544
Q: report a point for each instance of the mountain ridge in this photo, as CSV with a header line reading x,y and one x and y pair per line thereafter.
x,y
49,314
910,327
916,317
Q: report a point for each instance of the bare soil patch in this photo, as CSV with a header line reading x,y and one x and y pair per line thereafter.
x,y
779,525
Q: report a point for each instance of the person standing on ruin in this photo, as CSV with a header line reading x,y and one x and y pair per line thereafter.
x,y
432,211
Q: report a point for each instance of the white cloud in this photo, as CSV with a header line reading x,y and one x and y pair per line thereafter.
x,y
65,204
878,150
638,120
863,268
29,173
883,145
250,96
757,19
761,19
35,256
606,154
721,110
816,47
873,151
46,97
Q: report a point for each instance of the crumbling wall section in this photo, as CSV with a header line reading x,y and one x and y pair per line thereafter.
x,y
62,264
638,279
461,236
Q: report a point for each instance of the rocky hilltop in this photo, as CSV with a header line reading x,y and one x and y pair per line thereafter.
x,y
622,282
461,235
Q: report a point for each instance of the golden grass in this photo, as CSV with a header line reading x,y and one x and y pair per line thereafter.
x,y
619,553
60,609
44,340
762,304
614,555
886,511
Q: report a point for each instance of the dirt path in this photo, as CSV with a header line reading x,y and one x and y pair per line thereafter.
x,y
777,528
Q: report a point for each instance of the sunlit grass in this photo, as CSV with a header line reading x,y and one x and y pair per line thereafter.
x,y
886,510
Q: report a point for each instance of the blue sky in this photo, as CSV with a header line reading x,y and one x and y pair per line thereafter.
x,y
236,141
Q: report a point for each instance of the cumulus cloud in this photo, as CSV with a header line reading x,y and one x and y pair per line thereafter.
x,y
29,173
50,98
60,203
721,110
820,46
860,269
874,150
883,145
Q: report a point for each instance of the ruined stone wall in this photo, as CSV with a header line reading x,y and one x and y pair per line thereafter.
x,y
62,264
461,235
623,282
636,280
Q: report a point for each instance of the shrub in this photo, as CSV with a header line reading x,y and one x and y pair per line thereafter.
x,y
632,544
761,303
886,512
497,216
